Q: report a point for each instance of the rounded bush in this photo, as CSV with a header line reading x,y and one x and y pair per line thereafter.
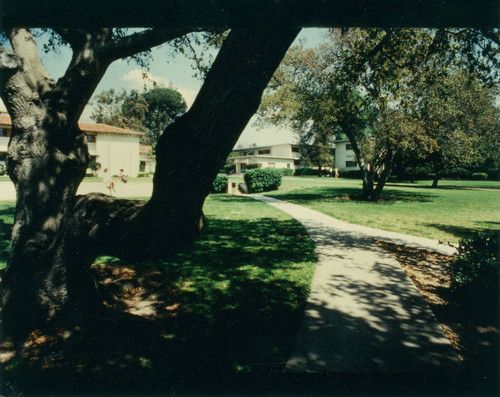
x,y
286,171
219,184
228,169
263,179
476,268
479,176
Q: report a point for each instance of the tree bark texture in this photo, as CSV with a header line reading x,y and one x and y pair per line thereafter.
x,y
56,235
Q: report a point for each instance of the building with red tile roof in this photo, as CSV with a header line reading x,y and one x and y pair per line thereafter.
x,y
114,147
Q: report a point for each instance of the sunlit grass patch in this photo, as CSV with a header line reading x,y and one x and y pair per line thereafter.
x,y
446,214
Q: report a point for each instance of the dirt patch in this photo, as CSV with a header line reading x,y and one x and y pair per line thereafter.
x,y
471,325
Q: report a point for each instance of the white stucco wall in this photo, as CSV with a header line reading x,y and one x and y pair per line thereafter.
x,y
118,151
342,155
150,163
282,150
4,143
267,162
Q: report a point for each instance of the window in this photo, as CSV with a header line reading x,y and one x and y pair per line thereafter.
x,y
91,138
348,146
93,158
288,165
265,151
248,153
295,149
3,157
4,132
350,164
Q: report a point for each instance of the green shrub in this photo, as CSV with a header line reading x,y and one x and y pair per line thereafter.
x,y
494,175
263,180
94,166
479,176
228,169
219,184
351,174
457,172
306,171
476,268
3,170
286,171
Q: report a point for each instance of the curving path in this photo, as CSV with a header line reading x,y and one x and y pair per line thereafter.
x,y
363,313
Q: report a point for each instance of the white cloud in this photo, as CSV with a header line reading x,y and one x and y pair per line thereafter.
x,y
140,80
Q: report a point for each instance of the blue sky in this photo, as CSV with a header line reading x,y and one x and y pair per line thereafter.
x,y
176,72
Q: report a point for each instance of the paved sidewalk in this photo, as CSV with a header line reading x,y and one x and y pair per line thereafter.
x,y
130,189
363,314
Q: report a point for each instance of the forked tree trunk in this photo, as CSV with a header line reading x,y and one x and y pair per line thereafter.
x,y
57,235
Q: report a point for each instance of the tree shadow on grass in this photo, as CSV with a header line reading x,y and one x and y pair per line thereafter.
x,y
346,194
226,307
464,232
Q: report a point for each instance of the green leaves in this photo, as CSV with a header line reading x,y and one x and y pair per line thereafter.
x,y
263,179
151,111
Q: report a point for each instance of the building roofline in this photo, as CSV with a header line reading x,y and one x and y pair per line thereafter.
x,y
97,128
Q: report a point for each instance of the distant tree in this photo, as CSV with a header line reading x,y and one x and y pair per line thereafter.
x,y
360,85
324,93
120,109
317,150
151,111
164,106
94,166
460,114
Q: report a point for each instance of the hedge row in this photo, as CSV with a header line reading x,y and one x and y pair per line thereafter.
x,y
306,171
263,179
452,173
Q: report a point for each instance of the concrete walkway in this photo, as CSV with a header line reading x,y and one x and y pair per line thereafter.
x,y
364,314
130,189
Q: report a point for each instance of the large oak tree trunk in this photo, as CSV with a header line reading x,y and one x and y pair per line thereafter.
x,y
57,235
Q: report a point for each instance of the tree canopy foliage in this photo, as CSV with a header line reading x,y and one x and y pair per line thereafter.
x,y
150,111
363,85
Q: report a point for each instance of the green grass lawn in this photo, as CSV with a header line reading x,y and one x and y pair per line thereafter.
x,y
239,291
453,183
445,214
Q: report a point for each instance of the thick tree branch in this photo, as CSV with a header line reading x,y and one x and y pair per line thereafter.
x,y
126,46
189,154
93,52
